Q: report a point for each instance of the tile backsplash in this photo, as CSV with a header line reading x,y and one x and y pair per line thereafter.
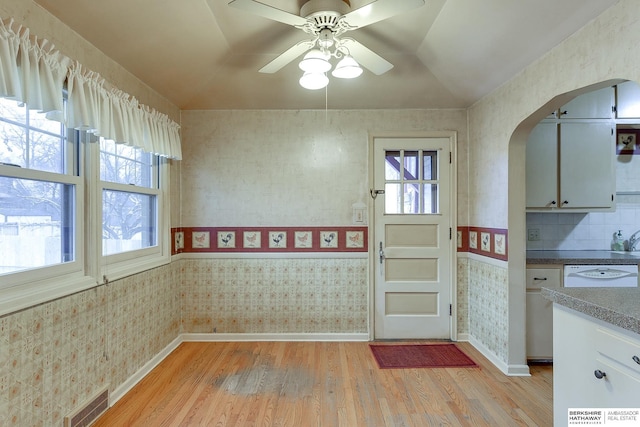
x,y
582,231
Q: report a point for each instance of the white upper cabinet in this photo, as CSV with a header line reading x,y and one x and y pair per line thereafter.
x,y
587,168
592,105
542,166
570,160
628,100
570,166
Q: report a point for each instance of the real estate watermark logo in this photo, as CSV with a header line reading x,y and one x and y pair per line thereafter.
x,y
603,416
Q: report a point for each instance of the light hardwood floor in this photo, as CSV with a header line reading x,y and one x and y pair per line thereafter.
x,y
326,384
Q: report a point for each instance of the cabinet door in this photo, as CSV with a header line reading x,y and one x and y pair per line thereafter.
x,y
574,364
587,169
542,166
592,105
539,312
628,100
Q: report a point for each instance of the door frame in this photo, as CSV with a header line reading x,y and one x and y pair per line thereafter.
x,y
453,206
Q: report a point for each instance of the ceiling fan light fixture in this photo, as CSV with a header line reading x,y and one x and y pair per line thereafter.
x,y
347,68
314,81
315,61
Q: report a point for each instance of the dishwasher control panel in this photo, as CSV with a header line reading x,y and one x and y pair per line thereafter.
x,y
601,276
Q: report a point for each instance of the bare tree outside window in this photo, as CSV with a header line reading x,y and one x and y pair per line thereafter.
x,y
129,201
35,214
38,192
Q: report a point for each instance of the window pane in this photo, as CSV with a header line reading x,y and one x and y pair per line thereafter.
x,y
430,201
36,224
12,111
430,165
392,198
39,121
23,146
13,144
411,199
46,152
392,165
122,164
128,221
411,165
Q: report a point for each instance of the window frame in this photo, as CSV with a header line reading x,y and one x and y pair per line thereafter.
x,y
115,266
26,288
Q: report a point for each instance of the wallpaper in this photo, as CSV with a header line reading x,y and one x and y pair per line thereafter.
x,y
55,355
275,296
489,306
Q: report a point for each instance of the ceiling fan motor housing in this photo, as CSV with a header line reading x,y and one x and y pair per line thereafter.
x,y
325,13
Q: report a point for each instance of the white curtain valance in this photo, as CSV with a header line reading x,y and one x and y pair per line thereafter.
x,y
31,71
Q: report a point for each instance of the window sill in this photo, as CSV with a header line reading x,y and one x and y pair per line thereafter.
x,y
31,294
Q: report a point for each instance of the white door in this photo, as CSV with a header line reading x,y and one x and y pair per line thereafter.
x,y
413,237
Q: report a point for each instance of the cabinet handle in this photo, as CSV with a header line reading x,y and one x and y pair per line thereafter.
x,y
599,374
562,113
566,202
544,278
553,202
636,359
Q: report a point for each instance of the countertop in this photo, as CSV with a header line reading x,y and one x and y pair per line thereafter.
x,y
582,257
617,306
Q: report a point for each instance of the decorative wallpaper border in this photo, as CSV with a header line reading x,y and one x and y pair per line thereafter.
x,y
489,242
268,239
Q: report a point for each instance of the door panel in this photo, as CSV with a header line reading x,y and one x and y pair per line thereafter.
x,y
412,216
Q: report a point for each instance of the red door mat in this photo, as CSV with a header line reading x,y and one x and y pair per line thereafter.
x,y
400,356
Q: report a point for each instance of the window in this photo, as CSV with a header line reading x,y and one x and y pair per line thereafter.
x,y
73,212
38,191
130,192
411,182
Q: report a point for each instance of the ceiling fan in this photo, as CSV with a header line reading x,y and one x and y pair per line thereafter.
x,y
326,21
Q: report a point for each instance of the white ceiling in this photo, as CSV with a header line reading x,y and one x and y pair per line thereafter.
x,y
203,54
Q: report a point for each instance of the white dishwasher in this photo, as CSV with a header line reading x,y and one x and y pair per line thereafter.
x,y
601,276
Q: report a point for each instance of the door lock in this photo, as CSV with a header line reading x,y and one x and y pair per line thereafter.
x,y
374,193
381,253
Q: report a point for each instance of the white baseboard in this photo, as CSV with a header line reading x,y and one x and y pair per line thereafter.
x,y
134,379
463,337
273,337
510,370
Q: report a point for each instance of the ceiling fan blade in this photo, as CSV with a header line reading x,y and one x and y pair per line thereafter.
x,y
379,10
289,55
268,12
366,57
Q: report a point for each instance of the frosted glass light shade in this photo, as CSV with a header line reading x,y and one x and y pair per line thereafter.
x,y
315,62
347,68
314,81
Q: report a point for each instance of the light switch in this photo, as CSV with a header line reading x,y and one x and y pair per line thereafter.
x,y
359,210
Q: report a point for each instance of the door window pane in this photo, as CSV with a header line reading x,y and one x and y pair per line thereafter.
x,y
411,165
411,203
430,165
411,185
430,199
392,198
392,165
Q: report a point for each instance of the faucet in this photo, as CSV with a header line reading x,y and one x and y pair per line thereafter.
x,y
633,241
